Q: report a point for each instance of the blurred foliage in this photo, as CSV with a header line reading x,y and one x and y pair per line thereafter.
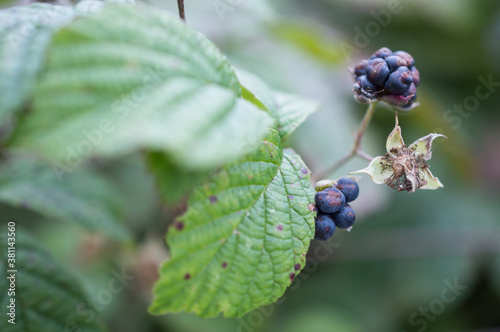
x,y
404,246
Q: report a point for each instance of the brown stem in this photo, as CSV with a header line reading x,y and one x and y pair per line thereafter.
x,y
356,148
180,4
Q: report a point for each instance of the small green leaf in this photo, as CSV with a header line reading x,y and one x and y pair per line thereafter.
x,y
289,111
135,77
47,297
243,238
25,33
83,197
292,111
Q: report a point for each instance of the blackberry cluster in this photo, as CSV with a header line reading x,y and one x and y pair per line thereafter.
x,y
333,208
387,76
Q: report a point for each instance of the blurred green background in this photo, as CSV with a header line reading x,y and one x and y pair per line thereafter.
x,y
395,270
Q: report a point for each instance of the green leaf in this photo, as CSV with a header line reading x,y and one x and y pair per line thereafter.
x,y
174,183
83,197
25,33
47,296
292,111
135,77
243,238
289,111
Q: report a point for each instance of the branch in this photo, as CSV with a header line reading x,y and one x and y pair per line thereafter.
x,y
180,4
356,148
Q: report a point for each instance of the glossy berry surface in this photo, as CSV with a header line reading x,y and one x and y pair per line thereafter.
x,y
377,71
324,227
344,218
387,76
349,188
399,81
330,200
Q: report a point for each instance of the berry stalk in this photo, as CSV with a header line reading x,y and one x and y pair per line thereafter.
x,y
356,148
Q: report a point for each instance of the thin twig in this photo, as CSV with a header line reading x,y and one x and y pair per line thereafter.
x,y
364,155
180,4
356,148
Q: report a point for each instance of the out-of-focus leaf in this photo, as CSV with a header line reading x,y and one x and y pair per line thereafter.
x,y
310,39
47,297
288,111
83,197
243,238
132,77
25,33
174,183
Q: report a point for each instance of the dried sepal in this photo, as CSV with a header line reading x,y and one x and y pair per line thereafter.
x,y
423,145
404,168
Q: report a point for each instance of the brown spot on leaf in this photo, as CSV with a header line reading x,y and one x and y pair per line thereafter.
x,y
224,264
179,225
213,199
296,267
304,170
312,207
187,276
292,276
279,227
290,196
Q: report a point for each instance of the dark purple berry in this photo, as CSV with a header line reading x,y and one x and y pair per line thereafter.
x,y
408,58
415,75
399,81
381,53
410,94
360,69
377,71
366,85
344,218
324,227
330,200
349,188
394,62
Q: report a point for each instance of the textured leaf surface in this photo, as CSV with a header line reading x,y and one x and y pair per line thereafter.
x,y
132,77
243,238
47,297
25,33
82,197
288,111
